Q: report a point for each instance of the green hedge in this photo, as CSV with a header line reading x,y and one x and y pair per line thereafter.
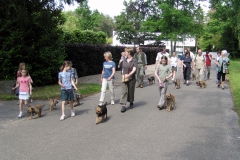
x,y
84,37
88,59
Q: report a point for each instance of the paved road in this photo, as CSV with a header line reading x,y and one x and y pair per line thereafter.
x,y
203,127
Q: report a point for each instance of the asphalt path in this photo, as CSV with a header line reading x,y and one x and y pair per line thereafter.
x,y
203,127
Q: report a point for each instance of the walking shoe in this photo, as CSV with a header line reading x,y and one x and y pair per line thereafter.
x,y
20,115
62,117
137,86
218,85
123,109
100,104
112,102
131,105
72,113
141,86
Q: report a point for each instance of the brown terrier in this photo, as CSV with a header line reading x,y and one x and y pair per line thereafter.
x,y
197,82
37,109
193,76
77,98
227,80
202,84
177,83
151,79
52,104
101,111
170,102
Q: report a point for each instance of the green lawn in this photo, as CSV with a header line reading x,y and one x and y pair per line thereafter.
x,y
54,91
234,70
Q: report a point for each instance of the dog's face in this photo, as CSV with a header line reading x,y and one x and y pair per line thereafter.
x,y
29,110
98,110
168,96
55,101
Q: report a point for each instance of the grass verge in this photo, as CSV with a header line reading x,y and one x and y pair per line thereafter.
x,y
234,69
42,93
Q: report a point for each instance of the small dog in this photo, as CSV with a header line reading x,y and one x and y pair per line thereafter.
x,y
193,76
52,104
177,83
37,109
101,111
170,102
202,84
227,80
151,79
197,82
77,99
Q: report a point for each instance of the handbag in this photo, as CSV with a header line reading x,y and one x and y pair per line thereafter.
x,y
124,79
226,70
161,85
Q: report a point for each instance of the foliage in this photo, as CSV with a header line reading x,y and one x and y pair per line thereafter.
x,y
53,91
30,34
84,37
222,29
128,23
234,82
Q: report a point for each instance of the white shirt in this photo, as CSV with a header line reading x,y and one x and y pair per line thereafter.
x,y
160,54
173,61
192,56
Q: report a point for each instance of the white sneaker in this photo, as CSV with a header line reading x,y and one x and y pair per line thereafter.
x,y
112,102
20,115
62,117
72,113
100,104
172,79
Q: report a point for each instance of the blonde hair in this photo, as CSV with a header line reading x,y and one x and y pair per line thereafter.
x,y
108,54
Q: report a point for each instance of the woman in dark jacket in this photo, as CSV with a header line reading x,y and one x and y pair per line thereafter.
x,y
187,66
129,66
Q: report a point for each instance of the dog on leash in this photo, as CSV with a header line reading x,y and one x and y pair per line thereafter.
x,y
52,104
77,99
151,79
197,82
177,83
193,76
37,109
170,102
202,84
227,79
101,111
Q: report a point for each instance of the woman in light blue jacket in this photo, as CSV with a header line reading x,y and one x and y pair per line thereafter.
x,y
223,64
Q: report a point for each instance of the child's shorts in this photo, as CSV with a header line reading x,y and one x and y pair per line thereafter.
x,y
67,95
23,95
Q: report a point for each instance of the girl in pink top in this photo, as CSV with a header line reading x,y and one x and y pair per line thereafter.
x,y
25,89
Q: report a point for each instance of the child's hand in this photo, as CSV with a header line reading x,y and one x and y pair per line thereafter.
x,y
109,79
13,88
76,88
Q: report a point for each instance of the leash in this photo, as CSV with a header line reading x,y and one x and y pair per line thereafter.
x,y
182,73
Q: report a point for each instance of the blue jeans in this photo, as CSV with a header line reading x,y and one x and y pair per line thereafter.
x,y
216,74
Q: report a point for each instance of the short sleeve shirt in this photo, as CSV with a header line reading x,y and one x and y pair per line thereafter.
x,y
200,60
160,54
107,68
24,83
173,61
163,71
186,60
127,67
65,78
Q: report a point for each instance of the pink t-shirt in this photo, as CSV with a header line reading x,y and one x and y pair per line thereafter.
x,y
24,83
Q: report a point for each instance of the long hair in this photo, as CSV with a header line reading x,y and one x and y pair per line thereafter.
x,y
65,63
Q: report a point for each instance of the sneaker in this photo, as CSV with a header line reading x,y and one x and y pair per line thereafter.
x,y
172,79
20,115
123,109
100,104
112,102
62,117
131,106
72,114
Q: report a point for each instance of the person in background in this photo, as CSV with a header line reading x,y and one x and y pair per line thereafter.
x,y
223,63
174,63
216,62
142,65
187,66
200,65
73,71
159,56
120,61
208,59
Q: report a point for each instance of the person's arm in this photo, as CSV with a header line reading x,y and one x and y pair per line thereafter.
x,y
145,61
157,60
132,72
101,77
73,84
76,77
113,73
166,78
16,86
156,74
30,87
60,83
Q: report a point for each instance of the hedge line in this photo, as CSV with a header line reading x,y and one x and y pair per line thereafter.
x,y
88,59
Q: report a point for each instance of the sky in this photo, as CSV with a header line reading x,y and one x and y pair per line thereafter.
x,y
112,7
108,7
